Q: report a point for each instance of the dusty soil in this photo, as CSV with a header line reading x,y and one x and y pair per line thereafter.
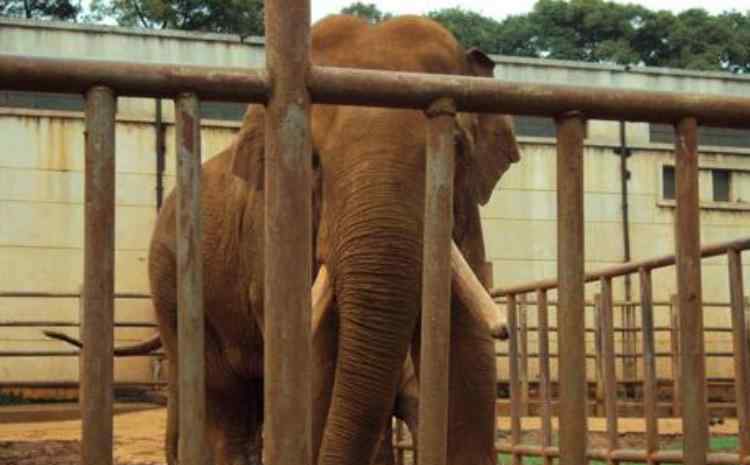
x,y
139,440
139,435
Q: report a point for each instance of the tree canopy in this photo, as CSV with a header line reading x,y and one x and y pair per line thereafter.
x,y
368,11
242,17
40,9
598,31
602,31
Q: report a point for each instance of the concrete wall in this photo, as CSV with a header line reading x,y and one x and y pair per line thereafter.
x,y
41,189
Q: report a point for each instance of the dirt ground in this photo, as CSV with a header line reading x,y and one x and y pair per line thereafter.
x,y
29,437
139,440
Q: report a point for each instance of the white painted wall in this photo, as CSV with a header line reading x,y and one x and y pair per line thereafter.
x,y
41,190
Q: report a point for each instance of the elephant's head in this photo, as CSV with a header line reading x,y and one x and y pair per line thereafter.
x,y
372,162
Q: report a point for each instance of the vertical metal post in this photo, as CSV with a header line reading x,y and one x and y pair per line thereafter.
x,y
741,356
608,362
650,393
599,409
688,254
523,328
99,279
544,377
436,284
160,153
515,385
674,342
288,227
190,322
570,270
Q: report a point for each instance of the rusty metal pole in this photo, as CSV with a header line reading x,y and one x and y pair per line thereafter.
x,y
741,356
606,317
688,253
99,272
570,270
544,375
599,407
288,228
523,353
515,383
190,322
436,287
650,387
674,344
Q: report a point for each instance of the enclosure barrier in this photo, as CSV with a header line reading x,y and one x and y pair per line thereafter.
x,y
691,373
288,87
525,355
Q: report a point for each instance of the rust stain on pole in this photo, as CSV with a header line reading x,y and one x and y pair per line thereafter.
x,y
190,323
544,376
688,253
650,393
608,362
436,284
741,357
98,290
515,383
570,269
288,226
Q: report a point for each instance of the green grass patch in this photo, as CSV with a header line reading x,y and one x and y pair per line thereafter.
x,y
716,443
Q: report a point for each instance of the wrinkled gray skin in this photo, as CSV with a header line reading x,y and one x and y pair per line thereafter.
x,y
368,212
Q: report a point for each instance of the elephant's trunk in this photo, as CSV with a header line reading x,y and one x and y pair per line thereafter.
x,y
377,276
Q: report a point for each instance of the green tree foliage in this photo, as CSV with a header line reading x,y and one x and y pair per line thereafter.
x,y
368,11
242,17
470,28
40,9
602,31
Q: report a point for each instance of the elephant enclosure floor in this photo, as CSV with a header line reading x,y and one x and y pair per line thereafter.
x,y
139,439
50,434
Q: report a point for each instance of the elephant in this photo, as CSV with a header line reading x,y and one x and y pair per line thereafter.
x,y
368,206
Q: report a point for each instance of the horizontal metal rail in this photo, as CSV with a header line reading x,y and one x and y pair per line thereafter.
x,y
624,269
70,324
72,384
66,295
386,89
65,353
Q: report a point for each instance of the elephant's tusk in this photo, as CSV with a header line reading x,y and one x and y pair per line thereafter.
x,y
322,296
476,298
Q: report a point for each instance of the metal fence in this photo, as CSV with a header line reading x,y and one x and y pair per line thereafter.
x,y
690,381
287,87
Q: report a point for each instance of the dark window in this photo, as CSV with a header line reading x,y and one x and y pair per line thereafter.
x,y
534,126
667,182
226,111
722,185
41,101
720,137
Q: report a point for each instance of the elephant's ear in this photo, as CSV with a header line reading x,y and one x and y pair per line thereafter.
x,y
248,149
488,145
479,63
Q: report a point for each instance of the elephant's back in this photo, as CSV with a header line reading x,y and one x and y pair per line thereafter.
x,y
405,43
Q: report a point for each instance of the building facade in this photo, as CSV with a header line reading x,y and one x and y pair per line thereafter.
x,y
41,186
